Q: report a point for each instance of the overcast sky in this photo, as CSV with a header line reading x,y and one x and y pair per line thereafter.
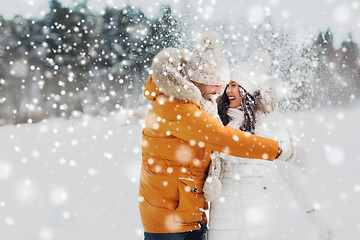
x,y
342,16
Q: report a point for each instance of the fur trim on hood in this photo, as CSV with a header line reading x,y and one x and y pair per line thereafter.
x,y
169,75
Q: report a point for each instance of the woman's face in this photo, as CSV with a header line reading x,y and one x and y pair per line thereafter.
x,y
233,94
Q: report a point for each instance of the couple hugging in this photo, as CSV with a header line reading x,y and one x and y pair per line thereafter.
x,y
196,150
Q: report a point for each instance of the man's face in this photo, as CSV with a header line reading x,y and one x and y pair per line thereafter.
x,y
207,91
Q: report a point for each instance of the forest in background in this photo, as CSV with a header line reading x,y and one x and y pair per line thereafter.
x,y
74,62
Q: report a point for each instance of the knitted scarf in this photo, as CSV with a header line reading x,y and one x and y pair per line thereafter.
x,y
212,185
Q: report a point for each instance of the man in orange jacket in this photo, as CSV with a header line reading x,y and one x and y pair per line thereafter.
x,y
178,138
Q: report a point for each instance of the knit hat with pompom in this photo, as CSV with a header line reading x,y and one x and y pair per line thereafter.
x,y
207,64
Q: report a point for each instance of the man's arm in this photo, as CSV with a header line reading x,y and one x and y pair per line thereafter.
x,y
198,127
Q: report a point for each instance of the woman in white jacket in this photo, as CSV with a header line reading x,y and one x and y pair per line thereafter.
x,y
241,207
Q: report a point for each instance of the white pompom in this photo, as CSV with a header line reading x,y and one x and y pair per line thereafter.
x,y
210,40
212,189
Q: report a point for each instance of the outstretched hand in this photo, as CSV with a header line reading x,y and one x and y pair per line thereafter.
x,y
285,151
294,154
299,158
279,152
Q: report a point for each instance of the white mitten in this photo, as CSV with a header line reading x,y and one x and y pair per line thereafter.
x,y
325,232
295,155
287,151
212,188
298,158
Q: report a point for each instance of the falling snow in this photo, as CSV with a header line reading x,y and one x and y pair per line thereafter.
x,y
72,111
54,189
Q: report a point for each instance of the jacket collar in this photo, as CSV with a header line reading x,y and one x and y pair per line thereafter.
x,y
169,77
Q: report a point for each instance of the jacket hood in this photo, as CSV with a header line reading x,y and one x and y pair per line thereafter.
x,y
151,90
169,77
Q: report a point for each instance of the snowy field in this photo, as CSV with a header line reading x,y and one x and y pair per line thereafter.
x,y
78,179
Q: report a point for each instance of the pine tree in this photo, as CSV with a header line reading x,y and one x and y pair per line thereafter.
x,y
165,31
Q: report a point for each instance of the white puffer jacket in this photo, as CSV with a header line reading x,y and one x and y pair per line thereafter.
x,y
245,210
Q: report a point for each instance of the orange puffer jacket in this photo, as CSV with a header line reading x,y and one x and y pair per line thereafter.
x,y
178,138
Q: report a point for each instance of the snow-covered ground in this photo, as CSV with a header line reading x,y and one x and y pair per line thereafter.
x,y
78,179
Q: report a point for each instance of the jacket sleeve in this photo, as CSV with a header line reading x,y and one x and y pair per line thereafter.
x,y
297,183
197,127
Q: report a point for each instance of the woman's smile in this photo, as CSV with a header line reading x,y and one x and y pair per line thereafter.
x,y
231,98
233,93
